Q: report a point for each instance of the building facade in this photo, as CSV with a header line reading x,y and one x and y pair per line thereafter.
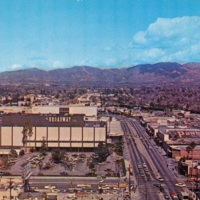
x,y
57,130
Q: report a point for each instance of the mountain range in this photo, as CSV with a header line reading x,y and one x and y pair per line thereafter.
x,y
158,73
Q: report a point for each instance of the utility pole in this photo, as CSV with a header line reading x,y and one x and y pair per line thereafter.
x,y
129,182
10,185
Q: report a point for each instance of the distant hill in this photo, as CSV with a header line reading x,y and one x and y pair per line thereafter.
x,y
166,72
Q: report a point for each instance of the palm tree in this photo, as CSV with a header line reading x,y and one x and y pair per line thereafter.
x,y
188,149
192,146
27,131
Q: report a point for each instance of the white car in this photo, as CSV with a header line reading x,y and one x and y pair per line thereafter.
x,y
160,179
180,184
139,166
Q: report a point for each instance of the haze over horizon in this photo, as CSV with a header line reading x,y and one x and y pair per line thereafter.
x,y
116,33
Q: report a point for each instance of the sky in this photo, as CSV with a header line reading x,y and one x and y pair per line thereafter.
x,y
50,34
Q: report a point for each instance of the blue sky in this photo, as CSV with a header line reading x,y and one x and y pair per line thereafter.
x,y
51,34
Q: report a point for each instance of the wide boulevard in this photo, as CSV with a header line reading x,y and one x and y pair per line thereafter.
x,y
142,149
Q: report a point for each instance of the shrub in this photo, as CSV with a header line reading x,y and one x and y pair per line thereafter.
x,y
13,153
32,150
21,153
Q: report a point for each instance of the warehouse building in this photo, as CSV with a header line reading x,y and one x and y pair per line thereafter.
x,y
71,132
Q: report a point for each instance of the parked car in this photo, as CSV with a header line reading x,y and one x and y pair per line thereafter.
x,y
180,184
157,185
166,195
160,179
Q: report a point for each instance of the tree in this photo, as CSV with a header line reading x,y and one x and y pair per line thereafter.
x,y
119,146
43,147
57,155
93,171
118,162
191,148
32,150
13,153
188,149
21,153
109,171
102,151
91,165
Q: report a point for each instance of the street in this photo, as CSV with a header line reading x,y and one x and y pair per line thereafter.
x,y
142,149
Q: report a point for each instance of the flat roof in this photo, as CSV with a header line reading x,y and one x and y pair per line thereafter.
x,y
43,120
115,129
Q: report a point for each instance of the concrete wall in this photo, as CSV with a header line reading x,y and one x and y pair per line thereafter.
x,y
6,136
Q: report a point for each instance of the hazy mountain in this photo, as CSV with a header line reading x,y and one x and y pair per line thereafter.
x,y
81,75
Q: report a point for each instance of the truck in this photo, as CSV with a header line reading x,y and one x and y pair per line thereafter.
x,y
183,196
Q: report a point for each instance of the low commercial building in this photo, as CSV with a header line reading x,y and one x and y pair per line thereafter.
x,y
175,141
57,130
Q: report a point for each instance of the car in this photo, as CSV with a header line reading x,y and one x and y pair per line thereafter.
x,y
82,155
150,147
47,186
147,175
180,184
175,198
142,175
94,191
166,196
157,185
126,193
141,170
191,179
144,165
173,194
139,166
105,188
64,174
160,179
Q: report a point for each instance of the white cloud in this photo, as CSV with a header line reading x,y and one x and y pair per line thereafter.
x,y
15,66
139,37
166,39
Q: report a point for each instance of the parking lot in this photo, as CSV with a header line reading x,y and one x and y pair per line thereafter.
x,y
76,164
